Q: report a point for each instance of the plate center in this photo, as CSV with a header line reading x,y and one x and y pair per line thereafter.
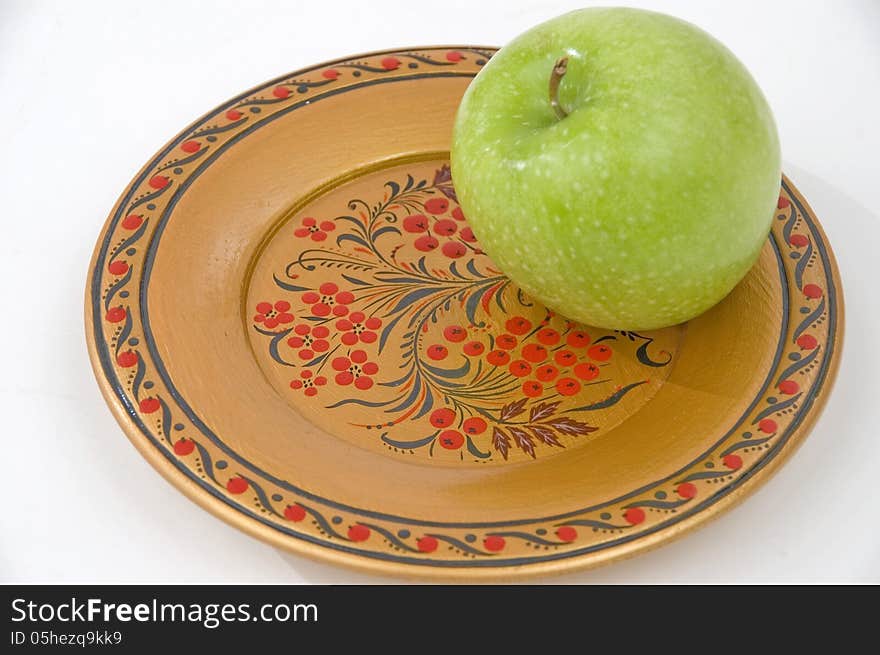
x,y
374,313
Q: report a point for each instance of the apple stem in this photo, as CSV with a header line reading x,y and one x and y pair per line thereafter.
x,y
559,69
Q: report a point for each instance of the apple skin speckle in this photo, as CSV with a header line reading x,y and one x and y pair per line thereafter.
x,y
651,199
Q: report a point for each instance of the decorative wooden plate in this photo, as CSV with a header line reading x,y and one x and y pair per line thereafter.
x,y
293,322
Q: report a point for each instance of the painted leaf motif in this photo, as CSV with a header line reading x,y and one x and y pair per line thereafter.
x,y
500,441
545,435
523,441
543,410
513,409
566,425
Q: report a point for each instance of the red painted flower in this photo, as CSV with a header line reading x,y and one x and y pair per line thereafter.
x,y
310,340
357,327
311,228
355,368
271,316
328,300
309,383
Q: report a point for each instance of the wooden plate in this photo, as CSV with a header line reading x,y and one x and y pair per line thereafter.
x,y
292,321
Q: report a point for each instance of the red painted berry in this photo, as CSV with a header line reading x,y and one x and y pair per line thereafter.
x,y
548,336
534,352
454,249
415,223
799,240
457,214
788,387
358,532
237,485
520,368
116,314
158,182
330,74
474,425
498,358
427,544
190,146
451,439
233,114
390,63
586,371
426,243
184,447
733,462
493,543
518,325
783,202
812,291
127,359
294,513
441,418
807,342
455,333
566,533
445,227
467,234
565,358
132,221
506,342
546,372
600,353
454,55
568,386
578,339
473,348
280,92
118,267
436,205
634,515
686,490
767,426
532,388
437,352
149,405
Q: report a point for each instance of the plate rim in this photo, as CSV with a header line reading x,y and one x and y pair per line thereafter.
x,y
741,488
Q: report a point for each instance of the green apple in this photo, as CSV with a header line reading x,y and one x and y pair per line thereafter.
x,y
636,194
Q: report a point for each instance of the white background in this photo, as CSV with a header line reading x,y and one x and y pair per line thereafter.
x,y
90,90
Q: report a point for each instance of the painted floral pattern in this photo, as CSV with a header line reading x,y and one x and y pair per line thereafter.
x,y
431,341
140,390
